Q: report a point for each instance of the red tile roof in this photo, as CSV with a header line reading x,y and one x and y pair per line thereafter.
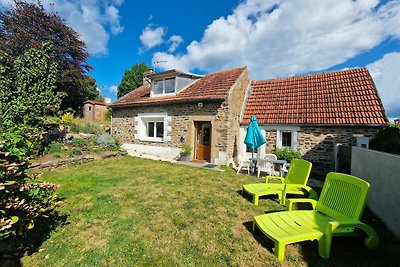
x,y
94,102
340,97
213,86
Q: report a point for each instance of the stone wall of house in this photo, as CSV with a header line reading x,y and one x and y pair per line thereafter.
x,y
123,123
270,137
235,102
316,143
183,117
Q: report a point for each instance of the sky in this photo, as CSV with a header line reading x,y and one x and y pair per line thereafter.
x,y
274,38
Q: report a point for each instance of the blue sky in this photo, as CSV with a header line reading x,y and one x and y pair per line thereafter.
x,y
274,38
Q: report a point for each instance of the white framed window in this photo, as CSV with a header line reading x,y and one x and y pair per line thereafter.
x,y
286,137
163,87
153,127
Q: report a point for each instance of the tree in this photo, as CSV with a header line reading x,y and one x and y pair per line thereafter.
x,y
132,79
28,25
27,88
387,140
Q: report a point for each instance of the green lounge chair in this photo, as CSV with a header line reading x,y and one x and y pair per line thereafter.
x,y
294,183
336,213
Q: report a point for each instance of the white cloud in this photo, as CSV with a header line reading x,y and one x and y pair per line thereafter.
x,y
282,37
112,14
152,36
385,73
113,88
92,19
174,42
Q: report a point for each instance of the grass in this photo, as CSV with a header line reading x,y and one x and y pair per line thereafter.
x,y
136,212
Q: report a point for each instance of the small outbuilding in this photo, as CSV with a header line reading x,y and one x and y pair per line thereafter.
x,y
94,110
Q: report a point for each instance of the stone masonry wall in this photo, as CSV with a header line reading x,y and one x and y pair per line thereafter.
x,y
123,124
235,104
316,143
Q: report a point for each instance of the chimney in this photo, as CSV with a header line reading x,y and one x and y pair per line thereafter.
x,y
147,81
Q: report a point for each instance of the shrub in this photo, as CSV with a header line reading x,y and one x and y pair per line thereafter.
x,y
67,118
286,154
186,149
87,127
104,140
387,140
25,201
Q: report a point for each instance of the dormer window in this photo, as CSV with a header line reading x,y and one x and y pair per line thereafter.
x,y
169,82
164,86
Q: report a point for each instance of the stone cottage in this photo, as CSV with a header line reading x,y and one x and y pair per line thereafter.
x,y
94,110
312,113
173,108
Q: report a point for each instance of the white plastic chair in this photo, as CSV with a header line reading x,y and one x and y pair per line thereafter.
x,y
244,163
285,168
266,165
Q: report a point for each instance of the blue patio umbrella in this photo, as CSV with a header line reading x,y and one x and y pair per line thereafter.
x,y
254,138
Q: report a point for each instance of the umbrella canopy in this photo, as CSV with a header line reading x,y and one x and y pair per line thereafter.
x,y
254,137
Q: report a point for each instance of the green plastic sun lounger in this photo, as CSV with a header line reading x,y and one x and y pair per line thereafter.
x,y
294,183
336,213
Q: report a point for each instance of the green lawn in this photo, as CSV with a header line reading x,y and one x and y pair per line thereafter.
x,y
134,212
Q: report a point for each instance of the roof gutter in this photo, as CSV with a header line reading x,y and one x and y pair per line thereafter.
x,y
167,102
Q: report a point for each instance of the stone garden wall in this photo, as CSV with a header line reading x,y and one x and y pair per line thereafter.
x,y
52,164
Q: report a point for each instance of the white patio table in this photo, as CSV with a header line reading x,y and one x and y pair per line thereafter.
x,y
255,161
280,163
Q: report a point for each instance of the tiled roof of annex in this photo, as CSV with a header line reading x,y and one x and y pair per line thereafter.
x,y
336,98
213,86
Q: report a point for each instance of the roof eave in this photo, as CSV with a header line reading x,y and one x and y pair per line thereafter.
x,y
319,125
168,102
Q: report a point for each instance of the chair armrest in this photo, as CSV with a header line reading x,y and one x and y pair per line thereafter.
x,y
311,193
289,202
371,240
280,179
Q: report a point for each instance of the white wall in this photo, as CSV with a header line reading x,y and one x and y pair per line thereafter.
x,y
153,152
382,171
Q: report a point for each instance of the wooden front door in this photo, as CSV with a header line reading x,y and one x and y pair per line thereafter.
x,y
203,141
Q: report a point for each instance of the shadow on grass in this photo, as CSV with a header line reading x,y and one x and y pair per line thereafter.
x,y
345,250
351,251
259,237
14,248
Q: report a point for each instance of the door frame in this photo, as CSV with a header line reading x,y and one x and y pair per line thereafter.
x,y
197,124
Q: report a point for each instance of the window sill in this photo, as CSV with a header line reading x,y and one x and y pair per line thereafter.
x,y
149,139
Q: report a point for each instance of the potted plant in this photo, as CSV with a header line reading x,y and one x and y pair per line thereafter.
x,y
186,152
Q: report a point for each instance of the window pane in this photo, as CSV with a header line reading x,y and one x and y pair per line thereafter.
x,y
169,85
160,129
287,139
150,129
158,87
206,134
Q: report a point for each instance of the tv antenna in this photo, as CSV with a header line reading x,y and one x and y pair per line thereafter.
x,y
160,61
155,63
